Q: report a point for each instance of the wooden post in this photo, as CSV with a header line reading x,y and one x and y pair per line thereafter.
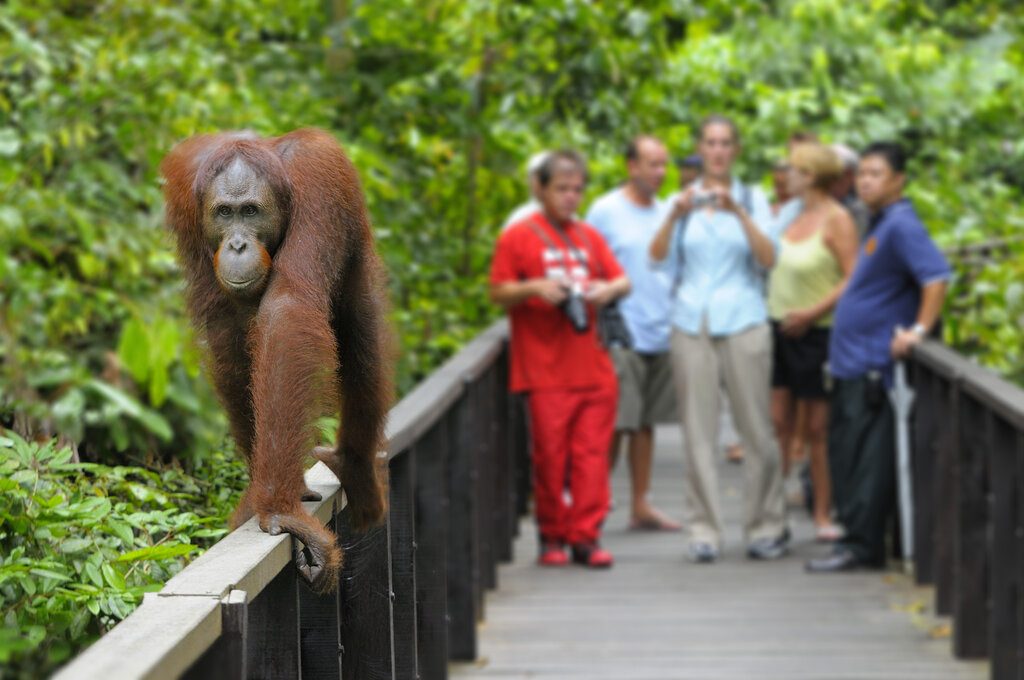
x,y
971,559
320,630
503,489
484,412
946,489
1007,615
272,647
367,642
521,451
403,562
226,658
432,552
463,530
926,415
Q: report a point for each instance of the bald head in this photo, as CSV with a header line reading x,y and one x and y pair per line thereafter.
x,y
646,163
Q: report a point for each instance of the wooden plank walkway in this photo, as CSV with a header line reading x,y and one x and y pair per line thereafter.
x,y
655,616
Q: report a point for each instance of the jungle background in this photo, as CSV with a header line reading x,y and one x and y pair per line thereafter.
x,y
115,469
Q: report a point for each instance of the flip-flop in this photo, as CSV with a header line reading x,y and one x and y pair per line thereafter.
x,y
653,524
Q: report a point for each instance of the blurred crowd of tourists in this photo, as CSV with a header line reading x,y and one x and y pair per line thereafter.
x,y
767,326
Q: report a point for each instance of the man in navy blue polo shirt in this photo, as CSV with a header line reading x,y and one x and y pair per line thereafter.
x,y
891,302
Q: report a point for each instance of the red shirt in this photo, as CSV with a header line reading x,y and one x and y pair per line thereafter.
x,y
546,351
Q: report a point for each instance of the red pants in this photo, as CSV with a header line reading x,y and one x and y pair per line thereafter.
x,y
572,430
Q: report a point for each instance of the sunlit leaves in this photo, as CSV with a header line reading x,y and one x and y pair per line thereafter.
x,y
81,543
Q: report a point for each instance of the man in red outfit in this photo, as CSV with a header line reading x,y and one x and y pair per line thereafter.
x,y
552,272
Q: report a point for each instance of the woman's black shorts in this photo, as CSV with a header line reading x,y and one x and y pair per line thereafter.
x,y
798,363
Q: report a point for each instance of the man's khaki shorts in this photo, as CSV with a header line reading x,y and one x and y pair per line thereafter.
x,y
646,392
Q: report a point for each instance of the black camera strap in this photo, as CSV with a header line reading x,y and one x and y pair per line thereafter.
x,y
567,244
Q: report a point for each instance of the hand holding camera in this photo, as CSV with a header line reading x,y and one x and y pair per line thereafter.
x,y
566,295
551,291
694,198
705,199
599,293
725,201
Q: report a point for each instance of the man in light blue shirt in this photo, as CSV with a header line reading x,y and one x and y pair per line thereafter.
x,y
628,217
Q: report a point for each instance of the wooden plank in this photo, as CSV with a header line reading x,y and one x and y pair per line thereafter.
x,y
428,402
247,558
485,484
463,528
320,631
226,659
1019,540
505,515
522,452
272,645
971,546
1007,483
432,553
1001,396
656,616
925,436
942,360
946,490
403,562
366,625
158,641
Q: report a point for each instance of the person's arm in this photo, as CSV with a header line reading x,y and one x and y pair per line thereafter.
x,y
932,297
760,244
614,283
930,269
841,240
508,285
682,204
601,293
511,293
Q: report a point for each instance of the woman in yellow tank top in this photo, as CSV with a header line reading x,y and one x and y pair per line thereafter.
x,y
815,259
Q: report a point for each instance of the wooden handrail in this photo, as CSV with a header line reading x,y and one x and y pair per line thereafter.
x,y
174,631
968,469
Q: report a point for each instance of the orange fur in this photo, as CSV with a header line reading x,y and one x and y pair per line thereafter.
x,y
319,327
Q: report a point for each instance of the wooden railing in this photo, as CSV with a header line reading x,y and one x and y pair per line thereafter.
x,y
968,463
411,591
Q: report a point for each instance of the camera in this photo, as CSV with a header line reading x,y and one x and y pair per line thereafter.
x,y
576,308
703,199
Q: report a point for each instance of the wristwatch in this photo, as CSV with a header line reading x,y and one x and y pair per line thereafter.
x,y
919,329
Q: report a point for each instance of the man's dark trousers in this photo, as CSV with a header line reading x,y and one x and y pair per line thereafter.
x,y
861,448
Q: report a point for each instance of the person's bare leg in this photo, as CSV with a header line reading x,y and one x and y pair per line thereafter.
x,y
641,457
641,460
817,435
798,442
782,419
613,452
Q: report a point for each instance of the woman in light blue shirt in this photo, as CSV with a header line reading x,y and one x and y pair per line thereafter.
x,y
717,245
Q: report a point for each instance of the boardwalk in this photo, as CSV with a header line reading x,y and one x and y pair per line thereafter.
x,y
656,616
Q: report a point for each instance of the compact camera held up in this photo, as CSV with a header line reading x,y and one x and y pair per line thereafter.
x,y
704,199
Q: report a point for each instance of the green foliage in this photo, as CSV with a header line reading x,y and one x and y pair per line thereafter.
x,y
459,106
438,103
80,543
92,97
